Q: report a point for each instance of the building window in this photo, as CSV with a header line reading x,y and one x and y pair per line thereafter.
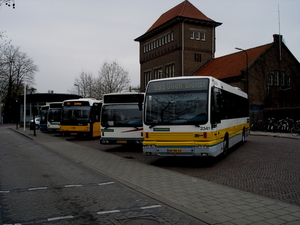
x,y
158,73
160,41
202,36
147,77
276,78
170,70
282,79
197,35
288,81
192,34
271,79
197,57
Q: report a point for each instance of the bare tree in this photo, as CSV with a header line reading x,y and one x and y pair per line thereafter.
x,y
85,85
16,69
112,78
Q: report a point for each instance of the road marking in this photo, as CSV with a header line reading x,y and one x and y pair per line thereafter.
x,y
151,207
37,188
116,211
106,212
60,218
73,185
106,183
4,191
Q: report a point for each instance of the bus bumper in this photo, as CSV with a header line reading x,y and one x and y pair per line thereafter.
x,y
178,150
112,141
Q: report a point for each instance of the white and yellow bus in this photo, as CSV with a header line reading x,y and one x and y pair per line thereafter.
x,y
121,119
81,117
54,116
193,116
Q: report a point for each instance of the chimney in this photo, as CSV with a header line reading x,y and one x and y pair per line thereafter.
x,y
277,38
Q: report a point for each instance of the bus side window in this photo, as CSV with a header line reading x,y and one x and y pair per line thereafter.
x,y
216,106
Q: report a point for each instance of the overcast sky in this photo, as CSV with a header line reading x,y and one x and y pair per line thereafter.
x,y
66,37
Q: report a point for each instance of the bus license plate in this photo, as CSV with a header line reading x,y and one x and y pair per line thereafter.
x,y
175,151
121,142
74,134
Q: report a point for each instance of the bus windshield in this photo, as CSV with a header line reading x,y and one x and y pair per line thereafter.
x,y
121,115
54,115
177,108
76,114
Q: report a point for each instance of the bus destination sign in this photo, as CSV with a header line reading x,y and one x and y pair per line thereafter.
x,y
179,85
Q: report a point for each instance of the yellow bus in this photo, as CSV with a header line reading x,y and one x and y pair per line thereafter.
x,y
193,116
81,117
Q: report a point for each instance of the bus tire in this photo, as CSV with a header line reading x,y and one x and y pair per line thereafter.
x,y
225,146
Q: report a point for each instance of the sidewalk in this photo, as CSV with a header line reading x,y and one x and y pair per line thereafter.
x,y
209,202
271,134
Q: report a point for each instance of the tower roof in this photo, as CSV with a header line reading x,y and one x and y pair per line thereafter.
x,y
184,9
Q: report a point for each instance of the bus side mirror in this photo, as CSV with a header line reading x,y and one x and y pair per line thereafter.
x,y
216,118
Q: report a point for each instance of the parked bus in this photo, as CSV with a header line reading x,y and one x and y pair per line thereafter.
x,y
81,117
121,119
54,116
193,116
43,117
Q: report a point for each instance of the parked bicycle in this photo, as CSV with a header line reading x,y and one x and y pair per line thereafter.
x,y
295,130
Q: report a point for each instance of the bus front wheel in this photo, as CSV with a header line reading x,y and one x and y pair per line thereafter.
x,y
225,147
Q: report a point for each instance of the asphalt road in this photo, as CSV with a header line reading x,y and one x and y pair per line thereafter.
x,y
40,186
267,166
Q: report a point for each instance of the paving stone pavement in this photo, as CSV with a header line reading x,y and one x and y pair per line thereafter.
x,y
207,201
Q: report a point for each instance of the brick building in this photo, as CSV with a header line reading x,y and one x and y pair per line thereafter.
x,y
182,43
270,74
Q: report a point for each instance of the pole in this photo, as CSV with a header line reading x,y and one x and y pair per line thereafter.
x,y
247,75
24,119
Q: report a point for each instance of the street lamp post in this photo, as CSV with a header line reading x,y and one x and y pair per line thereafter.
x,y
76,85
17,112
247,75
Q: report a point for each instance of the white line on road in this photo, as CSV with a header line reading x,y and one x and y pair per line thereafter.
x,y
37,188
151,207
60,218
73,185
106,183
106,212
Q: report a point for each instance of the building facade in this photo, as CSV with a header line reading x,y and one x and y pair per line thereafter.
x,y
270,74
182,43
